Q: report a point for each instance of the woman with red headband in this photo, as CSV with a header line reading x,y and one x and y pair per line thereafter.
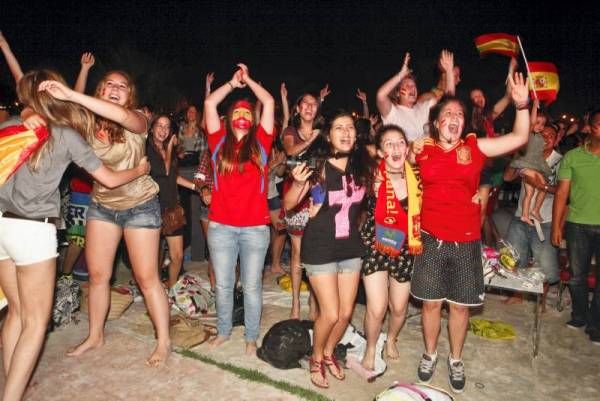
x,y
238,216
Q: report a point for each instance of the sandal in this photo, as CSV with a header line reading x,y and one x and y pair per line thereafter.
x,y
334,367
318,367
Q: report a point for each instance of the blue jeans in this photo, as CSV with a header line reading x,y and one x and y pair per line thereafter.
x,y
583,240
225,244
146,215
524,238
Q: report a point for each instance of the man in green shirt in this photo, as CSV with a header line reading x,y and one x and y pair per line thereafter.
x,y
578,181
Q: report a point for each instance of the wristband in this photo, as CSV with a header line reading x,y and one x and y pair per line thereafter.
x,y
522,106
230,84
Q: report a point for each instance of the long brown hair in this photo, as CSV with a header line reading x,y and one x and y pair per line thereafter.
x,y
114,131
56,112
229,159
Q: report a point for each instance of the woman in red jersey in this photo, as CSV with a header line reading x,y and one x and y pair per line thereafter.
x,y
450,267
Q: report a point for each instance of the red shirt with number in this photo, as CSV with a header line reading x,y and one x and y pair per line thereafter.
x,y
240,199
450,179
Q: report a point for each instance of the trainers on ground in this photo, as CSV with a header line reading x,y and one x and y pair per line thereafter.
x,y
456,375
575,324
426,368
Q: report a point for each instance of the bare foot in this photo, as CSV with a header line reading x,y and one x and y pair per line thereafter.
x,y
86,345
512,300
391,351
251,348
159,356
368,361
526,219
218,340
536,215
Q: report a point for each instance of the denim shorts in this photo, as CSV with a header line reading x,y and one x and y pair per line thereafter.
x,y
274,203
203,212
343,266
146,215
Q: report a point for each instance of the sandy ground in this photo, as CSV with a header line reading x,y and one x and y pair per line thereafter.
x,y
496,370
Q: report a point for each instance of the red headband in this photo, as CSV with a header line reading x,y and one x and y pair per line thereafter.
x,y
242,104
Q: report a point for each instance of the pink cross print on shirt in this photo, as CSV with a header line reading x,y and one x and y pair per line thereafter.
x,y
342,218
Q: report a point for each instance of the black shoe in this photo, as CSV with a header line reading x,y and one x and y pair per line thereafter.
x,y
426,368
575,324
456,376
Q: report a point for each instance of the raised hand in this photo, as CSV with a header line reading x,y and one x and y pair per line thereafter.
x,y
417,146
87,60
373,118
361,95
245,72
519,90
324,92
56,89
405,70
236,79
3,41
283,91
210,77
446,61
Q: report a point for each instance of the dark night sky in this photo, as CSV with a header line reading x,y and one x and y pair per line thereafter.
x,y
169,47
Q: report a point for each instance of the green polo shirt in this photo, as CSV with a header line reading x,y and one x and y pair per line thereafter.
x,y
582,168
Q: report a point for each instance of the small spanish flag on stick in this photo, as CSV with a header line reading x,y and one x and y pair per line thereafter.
x,y
500,43
17,143
543,80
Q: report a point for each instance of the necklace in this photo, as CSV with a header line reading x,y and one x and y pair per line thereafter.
x,y
400,173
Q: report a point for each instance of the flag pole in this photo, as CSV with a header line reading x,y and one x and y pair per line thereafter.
x,y
527,66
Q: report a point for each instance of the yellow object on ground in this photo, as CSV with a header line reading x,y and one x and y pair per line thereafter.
x,y
492,330
285,283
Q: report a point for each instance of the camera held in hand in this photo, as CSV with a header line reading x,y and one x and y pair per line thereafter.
x,y
311,162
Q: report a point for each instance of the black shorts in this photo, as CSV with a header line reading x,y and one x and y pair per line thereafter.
x,y
448,271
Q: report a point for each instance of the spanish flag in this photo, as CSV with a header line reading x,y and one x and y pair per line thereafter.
x,y
500,43
17,143
544,79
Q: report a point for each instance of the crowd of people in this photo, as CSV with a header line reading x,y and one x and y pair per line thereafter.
x,y
398,199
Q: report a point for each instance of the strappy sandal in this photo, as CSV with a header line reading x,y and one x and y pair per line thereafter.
x,y
318,367
331,362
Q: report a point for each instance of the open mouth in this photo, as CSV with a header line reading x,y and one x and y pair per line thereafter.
x,y
453,128
396,158
113,98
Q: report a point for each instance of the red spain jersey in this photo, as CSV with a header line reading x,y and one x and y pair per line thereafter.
x,y
450,179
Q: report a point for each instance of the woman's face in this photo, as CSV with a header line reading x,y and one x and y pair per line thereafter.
x,y
161,129
342,134
191,114
407,92
450,122
308,108
477,98
393,149
116,89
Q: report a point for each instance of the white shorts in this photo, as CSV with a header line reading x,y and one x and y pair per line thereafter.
x,y
26,241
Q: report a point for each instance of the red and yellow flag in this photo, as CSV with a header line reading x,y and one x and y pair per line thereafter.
x,y
17,143
500,43
544,78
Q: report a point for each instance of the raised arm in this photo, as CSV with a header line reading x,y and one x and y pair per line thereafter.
x,y
131,120
11,60
211,115
87,62
446,65
267,118
492,147
503,103
362,96
285,106
384,103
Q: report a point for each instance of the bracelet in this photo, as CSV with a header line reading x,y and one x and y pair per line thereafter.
x,y
296,183
230,84
523,106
